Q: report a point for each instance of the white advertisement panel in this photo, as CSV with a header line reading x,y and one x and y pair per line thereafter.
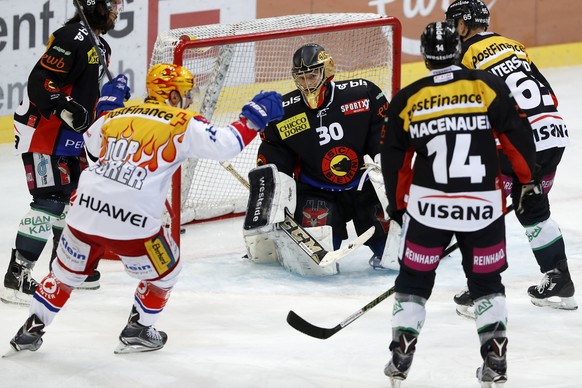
x,y
25,27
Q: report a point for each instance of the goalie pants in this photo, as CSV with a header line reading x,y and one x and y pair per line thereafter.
x,y
51,181
543,232
316,207
421,248
153,260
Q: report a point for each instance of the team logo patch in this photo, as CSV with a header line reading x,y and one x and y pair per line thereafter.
x,y
160,255
51,87
340,165
92,57
293,126
315,214
358,106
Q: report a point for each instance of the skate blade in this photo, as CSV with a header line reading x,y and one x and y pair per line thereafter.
x,y
556,303
465,312
128,349
89,286
15,297
10,353
395,382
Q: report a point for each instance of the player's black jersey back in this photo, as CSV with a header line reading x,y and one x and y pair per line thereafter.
x,y
324,147
448,119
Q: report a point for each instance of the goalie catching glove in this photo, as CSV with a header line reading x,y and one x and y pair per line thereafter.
x,y
262,109
113,95
72,113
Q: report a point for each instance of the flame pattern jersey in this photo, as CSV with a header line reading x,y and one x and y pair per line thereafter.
x,y
122,195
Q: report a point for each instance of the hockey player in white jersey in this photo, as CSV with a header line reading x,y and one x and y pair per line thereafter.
x,y
120,199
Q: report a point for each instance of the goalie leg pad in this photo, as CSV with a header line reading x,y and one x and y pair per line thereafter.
x,y
270,193
261,248
294,259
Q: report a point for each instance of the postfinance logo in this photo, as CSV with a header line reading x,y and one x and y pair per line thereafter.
x,y
293,126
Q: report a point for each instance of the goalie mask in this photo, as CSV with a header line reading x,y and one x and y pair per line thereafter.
x,y
312,71
473,12
440,45
163,79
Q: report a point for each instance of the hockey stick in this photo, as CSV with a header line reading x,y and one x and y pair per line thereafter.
x,y
311,330
93,39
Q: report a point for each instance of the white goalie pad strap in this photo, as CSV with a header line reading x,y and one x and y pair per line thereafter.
x,y
294,259
270,193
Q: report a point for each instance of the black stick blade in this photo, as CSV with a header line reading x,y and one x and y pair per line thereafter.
x,y
300,324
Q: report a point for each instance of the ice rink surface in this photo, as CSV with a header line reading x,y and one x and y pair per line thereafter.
x,y
226,317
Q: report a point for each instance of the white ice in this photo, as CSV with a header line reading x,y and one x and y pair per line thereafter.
x,y
226,317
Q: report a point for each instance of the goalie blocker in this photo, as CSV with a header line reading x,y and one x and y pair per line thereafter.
x,y
271,234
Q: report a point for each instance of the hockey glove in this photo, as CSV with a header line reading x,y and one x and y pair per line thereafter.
x,y
395,215
264,108
113,94
73,114
532,193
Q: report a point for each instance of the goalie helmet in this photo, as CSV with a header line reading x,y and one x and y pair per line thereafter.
x,y
440,45
164,78
312,70
473,12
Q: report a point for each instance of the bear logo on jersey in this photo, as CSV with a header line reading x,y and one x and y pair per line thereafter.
x,y
340,165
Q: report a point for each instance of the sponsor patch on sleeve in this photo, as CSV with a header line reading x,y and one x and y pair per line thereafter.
x,y
358,106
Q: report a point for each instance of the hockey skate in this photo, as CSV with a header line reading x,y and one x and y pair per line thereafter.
x,y
402,354
28,337
465,305
493,373
556,290
92,282
18,282
137,338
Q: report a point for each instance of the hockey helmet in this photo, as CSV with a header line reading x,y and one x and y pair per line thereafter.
x,y
89,6
164,78
312,69
98,13
440,45
473,12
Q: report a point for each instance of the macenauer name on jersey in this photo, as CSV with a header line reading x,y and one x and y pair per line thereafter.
x,y
111,211
445,124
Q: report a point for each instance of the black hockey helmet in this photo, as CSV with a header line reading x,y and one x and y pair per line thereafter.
x,y
98,13
473,12
312,69
440,45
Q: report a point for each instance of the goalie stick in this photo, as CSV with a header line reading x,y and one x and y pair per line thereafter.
x,y
300,324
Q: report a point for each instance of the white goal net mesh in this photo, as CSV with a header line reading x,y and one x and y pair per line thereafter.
x,y
233,62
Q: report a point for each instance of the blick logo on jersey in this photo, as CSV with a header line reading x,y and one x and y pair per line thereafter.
x,y
359,106
293,126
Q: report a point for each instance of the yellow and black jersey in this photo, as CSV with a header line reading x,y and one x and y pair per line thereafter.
x,y
324,147
508,59
451,121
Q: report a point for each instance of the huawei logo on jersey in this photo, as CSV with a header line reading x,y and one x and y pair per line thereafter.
x,y
340,165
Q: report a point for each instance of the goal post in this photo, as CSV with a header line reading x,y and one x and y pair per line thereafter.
x,y
233,62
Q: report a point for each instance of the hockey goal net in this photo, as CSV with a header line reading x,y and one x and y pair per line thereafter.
x,y
233,62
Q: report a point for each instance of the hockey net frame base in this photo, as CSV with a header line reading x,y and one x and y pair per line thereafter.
x,y
233,62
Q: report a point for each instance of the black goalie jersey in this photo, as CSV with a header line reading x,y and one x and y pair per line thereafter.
x,y
451,120
324,147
